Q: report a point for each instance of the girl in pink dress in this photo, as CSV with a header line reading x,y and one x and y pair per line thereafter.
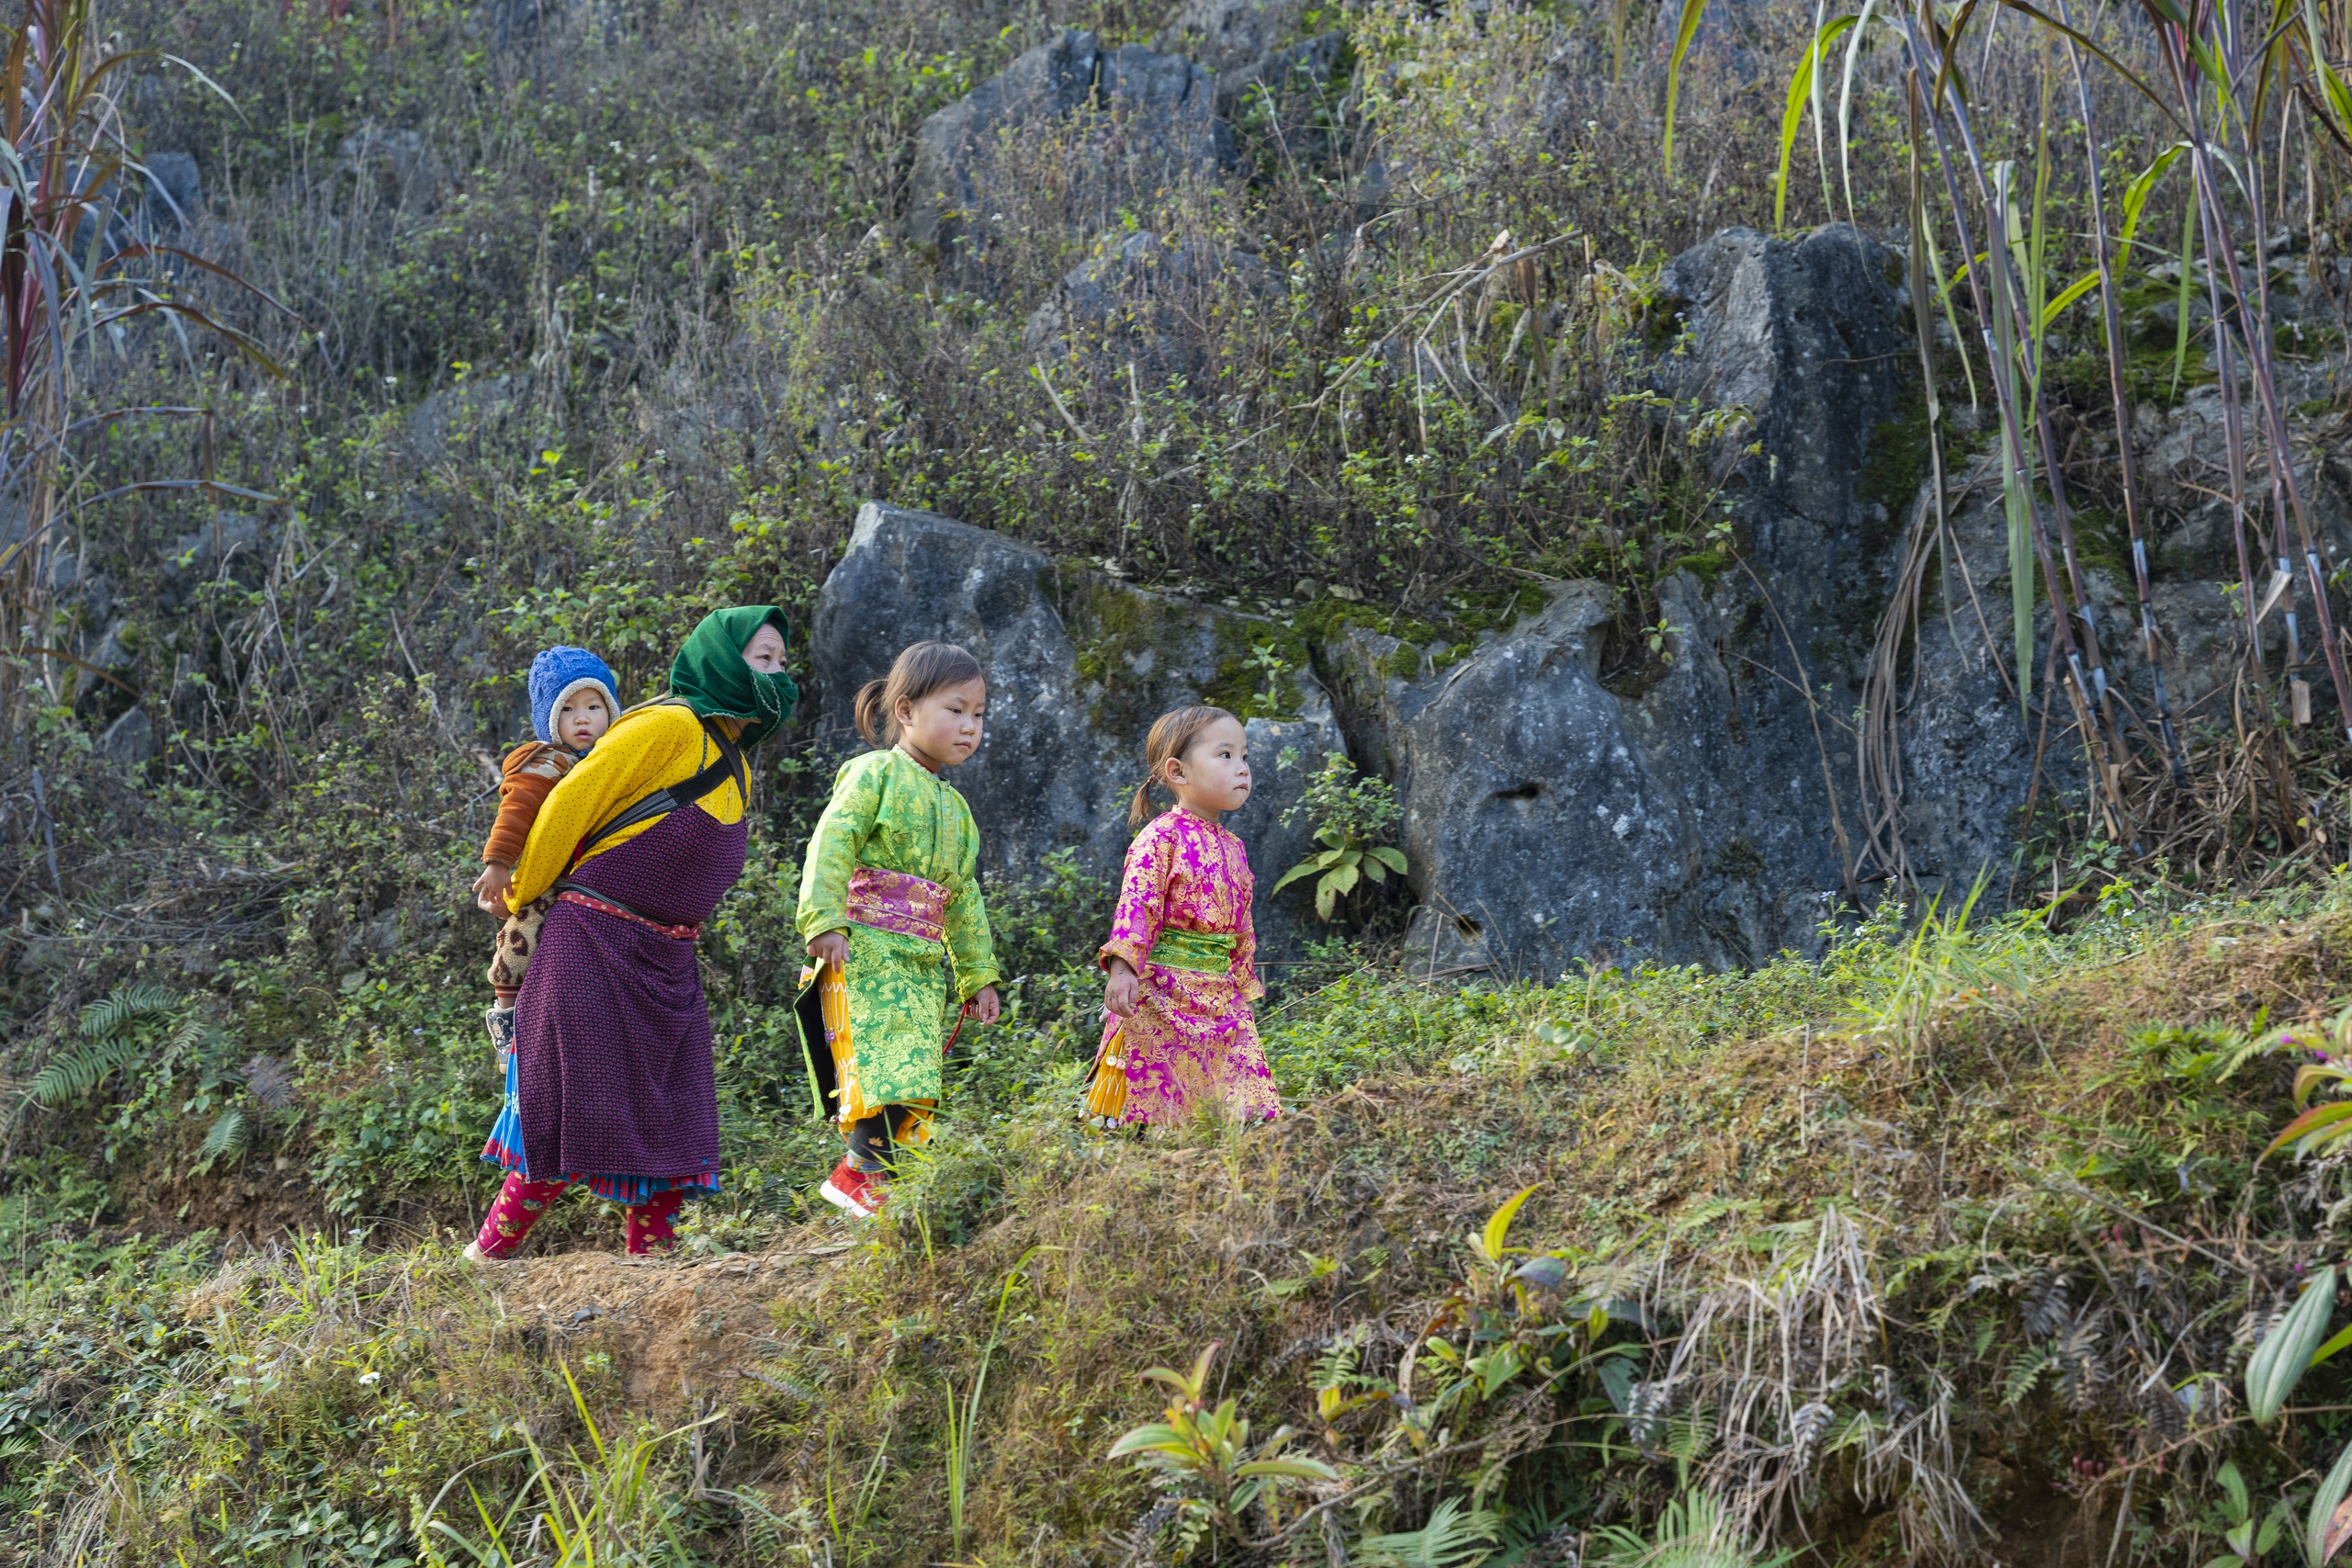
x,y
1180,957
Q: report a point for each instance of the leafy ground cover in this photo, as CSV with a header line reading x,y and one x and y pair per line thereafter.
x,y
1954,1242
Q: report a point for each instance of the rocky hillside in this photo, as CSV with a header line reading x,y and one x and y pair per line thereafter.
x,y
1863,714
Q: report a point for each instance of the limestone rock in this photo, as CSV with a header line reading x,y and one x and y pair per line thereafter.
x,y
1230,35
231,544
485,409
175,190
1155,123
1078,665
1145,300
1570,795
130,741
398,163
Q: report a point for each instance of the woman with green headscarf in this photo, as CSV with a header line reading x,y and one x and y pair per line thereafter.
x,y
610,1083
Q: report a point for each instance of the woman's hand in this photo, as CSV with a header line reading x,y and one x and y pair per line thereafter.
x,y
831,947
490,888
987,1006
1119,995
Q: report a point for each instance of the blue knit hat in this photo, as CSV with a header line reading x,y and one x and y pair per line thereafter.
x,y
556,674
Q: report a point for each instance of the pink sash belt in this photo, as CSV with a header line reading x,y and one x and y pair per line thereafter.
x,y
895,901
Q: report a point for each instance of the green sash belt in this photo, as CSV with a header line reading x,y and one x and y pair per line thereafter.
x,y
1205,953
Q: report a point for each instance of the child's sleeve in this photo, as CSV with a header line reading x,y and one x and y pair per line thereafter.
x,y
1143,900
970,945
1245,952
848,821
529,772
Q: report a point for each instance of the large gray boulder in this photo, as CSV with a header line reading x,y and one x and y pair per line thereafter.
x,y
1231,35
1149,120
1078,664
1571,795
1146,300
175,190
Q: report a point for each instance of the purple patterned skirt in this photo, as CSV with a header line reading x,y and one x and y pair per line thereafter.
x,y
612,1040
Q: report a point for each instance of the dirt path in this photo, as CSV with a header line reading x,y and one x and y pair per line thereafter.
x,y
675,1331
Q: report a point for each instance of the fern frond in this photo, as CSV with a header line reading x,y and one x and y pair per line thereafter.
x,y
226,1139
2021,1378
122,1005
269,1081
67,1078
1452,1539
192,1032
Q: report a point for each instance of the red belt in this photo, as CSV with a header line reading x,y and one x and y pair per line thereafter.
x,y
683,933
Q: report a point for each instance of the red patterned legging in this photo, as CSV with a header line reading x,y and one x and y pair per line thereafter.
x,y
521,1202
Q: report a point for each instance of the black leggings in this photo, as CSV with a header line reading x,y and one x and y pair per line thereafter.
x,y
870,1145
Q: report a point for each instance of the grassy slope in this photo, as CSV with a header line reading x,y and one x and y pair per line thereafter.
x,y
1991,1114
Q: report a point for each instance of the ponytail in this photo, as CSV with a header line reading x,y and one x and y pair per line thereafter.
x,y
1172,735
869,713
918,671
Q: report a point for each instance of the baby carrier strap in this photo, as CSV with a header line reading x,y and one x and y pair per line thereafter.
x,y
661,802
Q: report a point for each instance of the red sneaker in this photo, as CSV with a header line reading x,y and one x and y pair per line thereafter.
x,y
853,1190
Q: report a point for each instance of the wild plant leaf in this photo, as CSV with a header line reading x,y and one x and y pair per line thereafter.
x,y
1845,105
1164,1440
1394,859
2135,197
1685,30
1617,1382
227,1139
2313,1130
67,1078
124,1004
1490,1242
2022,1377
2335,1345
2329,1525
2233,1485
1302,870
1452,1539
2067,296
2180,301
2312,1075
2274,1523
1801,93
2279,1363
1297,1469
1343,877
269,1081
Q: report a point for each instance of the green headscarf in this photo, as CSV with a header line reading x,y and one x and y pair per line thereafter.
x,y
709,673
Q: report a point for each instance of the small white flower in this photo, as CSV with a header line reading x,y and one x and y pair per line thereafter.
x,y
370,1377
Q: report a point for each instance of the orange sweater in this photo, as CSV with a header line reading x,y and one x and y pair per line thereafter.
x,y
529,772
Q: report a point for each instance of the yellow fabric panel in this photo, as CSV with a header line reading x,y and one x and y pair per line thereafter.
x,y
913,1123
648,749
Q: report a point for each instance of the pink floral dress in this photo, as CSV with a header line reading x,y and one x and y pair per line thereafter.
x,y
1183,924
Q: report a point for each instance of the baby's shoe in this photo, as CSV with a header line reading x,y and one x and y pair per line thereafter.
x,y
500,1022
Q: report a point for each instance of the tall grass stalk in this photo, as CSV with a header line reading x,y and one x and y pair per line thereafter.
x,y
962,1430
2228,84
573,1512
74,275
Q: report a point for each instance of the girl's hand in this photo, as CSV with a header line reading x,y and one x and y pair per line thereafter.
x,y
1119,995
831,947
490,888
986,1005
